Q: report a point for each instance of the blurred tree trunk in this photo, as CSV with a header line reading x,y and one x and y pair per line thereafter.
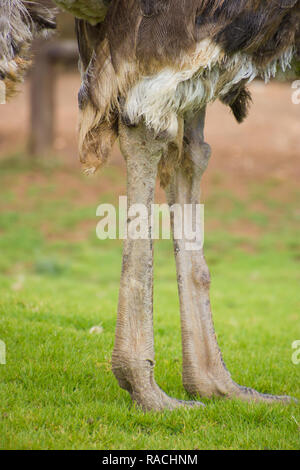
x,y
42,100
47,54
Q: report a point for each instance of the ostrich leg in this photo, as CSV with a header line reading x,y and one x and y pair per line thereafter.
x,y
204,371
133,355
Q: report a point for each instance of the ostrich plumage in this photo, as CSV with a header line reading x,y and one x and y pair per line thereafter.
x,y
156,59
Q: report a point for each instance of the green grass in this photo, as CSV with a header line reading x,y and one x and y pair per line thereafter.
x,y
57,281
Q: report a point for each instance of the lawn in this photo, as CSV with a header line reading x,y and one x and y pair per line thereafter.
x,y
57,280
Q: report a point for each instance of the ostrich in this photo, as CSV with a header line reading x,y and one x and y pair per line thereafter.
x,y
149,68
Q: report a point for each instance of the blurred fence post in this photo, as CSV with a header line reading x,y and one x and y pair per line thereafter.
x,y
42,91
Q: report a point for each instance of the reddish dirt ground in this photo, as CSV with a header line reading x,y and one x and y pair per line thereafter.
x,y
266,146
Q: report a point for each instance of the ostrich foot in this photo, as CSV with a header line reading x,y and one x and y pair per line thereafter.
x,y
226,388
137,377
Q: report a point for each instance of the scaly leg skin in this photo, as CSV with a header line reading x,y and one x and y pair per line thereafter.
x,y
204,371
133,355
